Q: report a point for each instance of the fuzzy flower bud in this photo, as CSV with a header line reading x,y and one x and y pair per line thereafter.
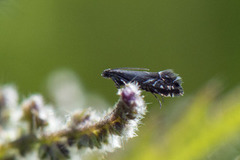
x,y
31,112
83,129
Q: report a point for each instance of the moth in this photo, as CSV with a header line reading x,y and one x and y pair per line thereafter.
x,y
165,83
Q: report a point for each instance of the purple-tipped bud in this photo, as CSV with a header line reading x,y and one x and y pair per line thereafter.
x,y
130,94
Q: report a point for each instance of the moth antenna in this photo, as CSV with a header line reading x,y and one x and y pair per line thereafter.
x,y
132,68
158,100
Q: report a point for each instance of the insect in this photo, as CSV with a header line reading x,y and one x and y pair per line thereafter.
x,y
164,83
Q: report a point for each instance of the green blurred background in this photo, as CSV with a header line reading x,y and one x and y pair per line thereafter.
x,y
199,39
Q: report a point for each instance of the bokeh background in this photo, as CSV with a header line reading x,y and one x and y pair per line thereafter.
x,y
199,39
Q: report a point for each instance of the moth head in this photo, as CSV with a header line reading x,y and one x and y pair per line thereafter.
x,y
172,83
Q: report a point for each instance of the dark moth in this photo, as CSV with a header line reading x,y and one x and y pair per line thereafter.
x,y
165,83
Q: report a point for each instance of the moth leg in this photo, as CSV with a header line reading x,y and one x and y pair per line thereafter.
x,y
116,83
124,82
162,99
158,100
